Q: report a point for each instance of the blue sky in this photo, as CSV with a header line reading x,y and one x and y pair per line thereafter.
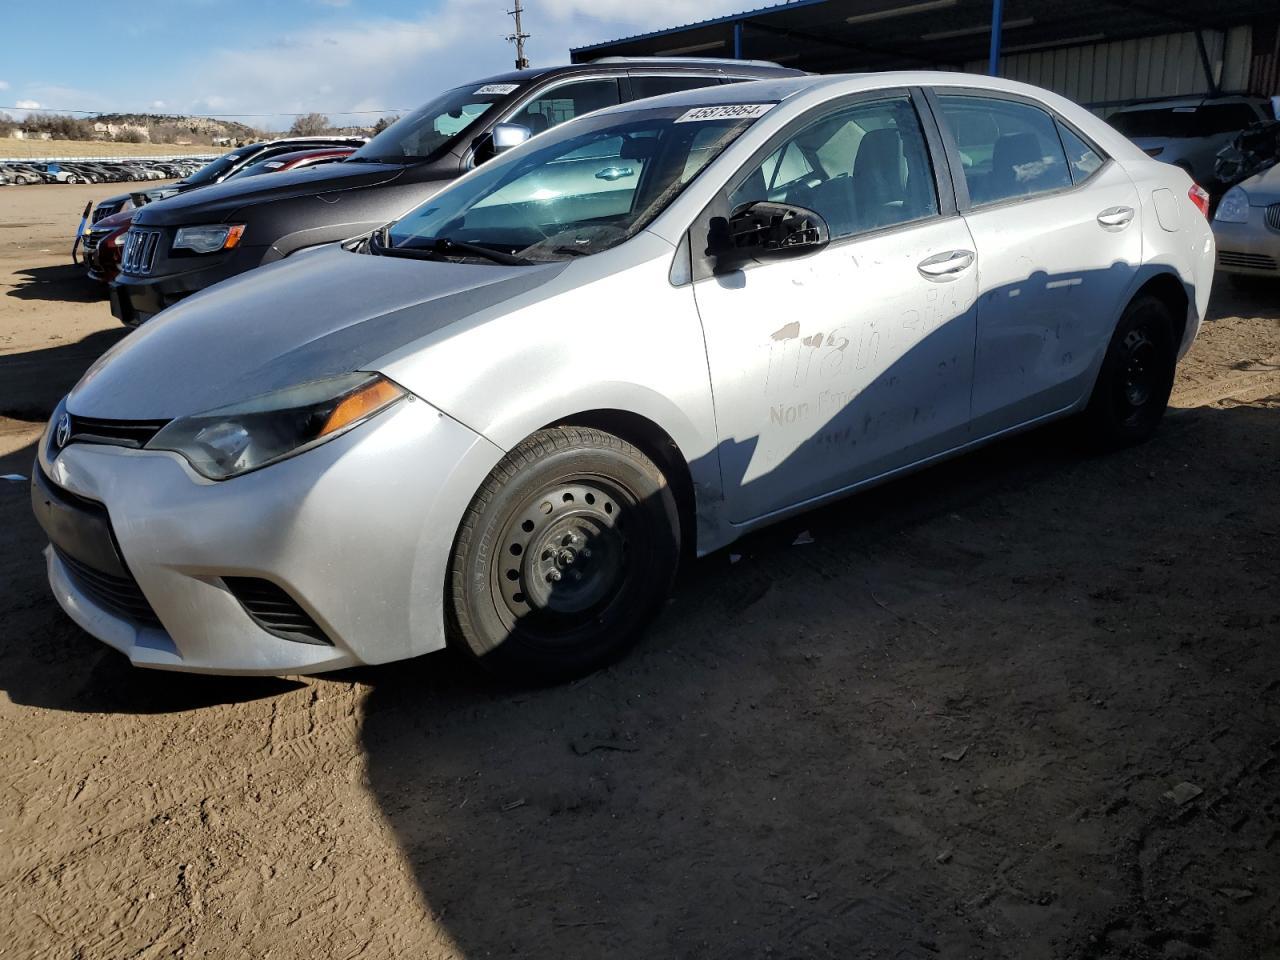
x,y
239,57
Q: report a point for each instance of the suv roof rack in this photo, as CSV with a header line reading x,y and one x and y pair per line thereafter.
x,y
710,61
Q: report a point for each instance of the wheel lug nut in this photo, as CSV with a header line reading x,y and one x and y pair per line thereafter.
x,y
553,576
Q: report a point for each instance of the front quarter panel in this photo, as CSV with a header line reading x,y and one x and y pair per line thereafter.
x,y
610,332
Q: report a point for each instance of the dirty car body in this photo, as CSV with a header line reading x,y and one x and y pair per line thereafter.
x,y
734,303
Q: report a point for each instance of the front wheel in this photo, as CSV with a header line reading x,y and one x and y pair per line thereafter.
x,y
1133,386
567,550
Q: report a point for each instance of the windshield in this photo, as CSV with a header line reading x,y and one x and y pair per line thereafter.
x,y
210,172
423,134
1176,122
586,187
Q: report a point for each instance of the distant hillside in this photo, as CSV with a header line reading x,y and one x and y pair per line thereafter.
x,y
199,126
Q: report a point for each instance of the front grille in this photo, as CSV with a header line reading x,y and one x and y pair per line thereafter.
x,y
120,595
1273,216
119,433
275,611
1253,261
139,252
106,210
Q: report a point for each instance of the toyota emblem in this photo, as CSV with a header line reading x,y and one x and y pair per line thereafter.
x,y
63,432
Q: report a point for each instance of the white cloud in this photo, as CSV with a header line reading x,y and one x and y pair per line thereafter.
x,y
27,105
391,64
4,84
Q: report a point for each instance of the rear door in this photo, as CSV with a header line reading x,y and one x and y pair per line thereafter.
x,y
1058,238
848,363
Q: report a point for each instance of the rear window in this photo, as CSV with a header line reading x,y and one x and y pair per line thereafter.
x,y
1184,122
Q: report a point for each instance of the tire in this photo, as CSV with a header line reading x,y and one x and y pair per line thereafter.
x,y
566,552
1132,390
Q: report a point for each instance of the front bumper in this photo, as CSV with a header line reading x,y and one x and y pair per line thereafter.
x,y
1251,248
358,531
136,299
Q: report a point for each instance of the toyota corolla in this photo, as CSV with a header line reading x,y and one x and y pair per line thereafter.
x,y
502,420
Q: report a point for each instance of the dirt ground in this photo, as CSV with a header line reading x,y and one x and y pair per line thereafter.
x,y
949,727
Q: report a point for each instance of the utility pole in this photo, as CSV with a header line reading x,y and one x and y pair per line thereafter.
x,y
519,37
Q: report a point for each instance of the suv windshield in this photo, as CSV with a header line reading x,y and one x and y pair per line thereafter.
x,y
423,134
584,187
1187,122
213,170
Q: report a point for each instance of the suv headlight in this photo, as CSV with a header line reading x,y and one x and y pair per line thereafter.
x,y
208,239
1234,207
235,439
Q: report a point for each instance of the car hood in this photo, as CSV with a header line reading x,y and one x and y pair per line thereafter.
x,y
319,314
1263,188
215,203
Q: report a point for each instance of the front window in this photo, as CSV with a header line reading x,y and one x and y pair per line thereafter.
x,y
425,133
579,190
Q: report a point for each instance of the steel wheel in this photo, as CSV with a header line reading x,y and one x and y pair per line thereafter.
x,y
565,552
1136,377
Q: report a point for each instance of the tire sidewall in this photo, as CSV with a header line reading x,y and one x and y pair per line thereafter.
x,y
477,611
1112,425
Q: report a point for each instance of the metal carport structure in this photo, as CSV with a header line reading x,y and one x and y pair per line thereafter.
x,y
1099,52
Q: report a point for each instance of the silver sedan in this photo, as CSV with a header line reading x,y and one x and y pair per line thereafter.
x,y
501,421
1247,227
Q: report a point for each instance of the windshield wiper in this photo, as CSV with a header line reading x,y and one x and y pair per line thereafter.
x,y
444,246
435,248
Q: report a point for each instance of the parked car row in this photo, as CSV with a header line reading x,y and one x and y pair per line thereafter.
x,y
487,380
96,171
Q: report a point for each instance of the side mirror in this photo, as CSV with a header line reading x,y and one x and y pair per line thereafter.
x,y
508,135
764,231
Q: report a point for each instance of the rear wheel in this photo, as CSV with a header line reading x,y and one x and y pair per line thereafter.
x,y
564,554
1133,386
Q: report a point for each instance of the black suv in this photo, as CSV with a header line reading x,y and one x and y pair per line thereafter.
x,y
183,244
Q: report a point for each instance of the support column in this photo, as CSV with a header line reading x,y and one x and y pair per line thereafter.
x,y
997,36
737,40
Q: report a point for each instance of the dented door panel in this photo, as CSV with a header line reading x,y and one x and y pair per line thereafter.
x,y
832,369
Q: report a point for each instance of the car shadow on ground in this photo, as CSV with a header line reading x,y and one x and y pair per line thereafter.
x,y
64,282
942,728
32,382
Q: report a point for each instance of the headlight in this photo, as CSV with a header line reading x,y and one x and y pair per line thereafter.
x,y
235,439
1234,207
208,239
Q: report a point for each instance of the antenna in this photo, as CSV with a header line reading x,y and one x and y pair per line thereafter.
x,y
519,37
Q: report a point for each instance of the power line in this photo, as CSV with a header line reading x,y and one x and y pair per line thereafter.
x,y
519,37
202,116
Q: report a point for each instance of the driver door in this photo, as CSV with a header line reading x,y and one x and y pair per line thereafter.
x,y
851,362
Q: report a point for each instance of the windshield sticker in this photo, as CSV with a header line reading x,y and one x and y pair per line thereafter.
x,y
497,89
729,111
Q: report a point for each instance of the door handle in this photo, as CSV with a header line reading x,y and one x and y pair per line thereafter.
x,y
1116,216
944,266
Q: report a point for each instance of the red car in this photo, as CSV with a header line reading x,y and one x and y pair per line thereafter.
x,y
293,161
103,243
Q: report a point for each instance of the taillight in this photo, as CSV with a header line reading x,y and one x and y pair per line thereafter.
x,y
1200,197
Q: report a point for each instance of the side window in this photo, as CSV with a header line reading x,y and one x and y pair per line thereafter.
x,y
566,102
1081,158
862,168
642,87
1007,149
